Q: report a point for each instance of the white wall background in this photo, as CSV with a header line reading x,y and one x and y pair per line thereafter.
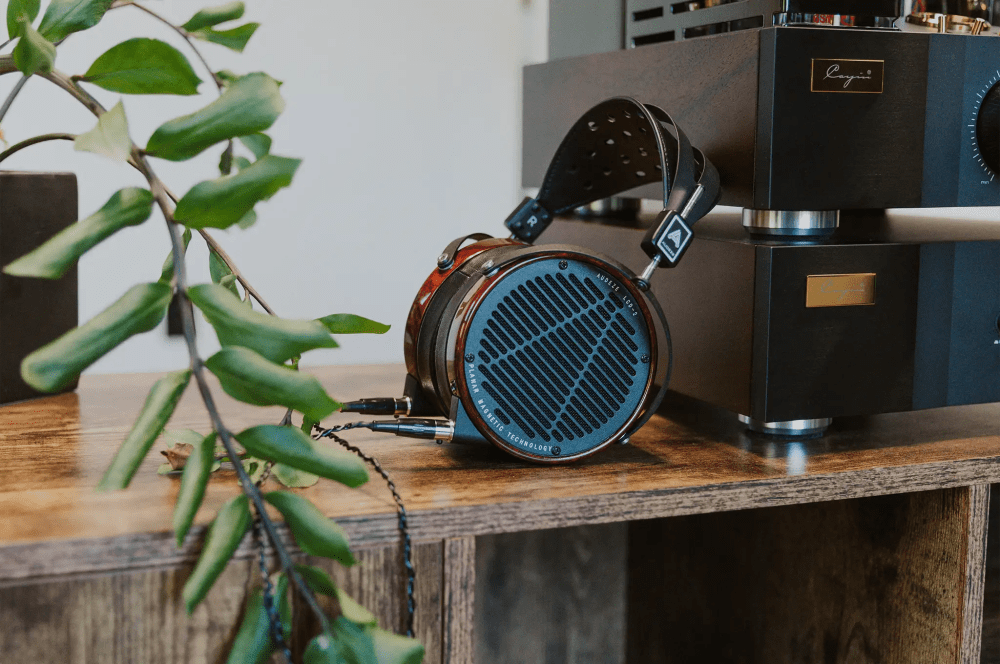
x,y
407,117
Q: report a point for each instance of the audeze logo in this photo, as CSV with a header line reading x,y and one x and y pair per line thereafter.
x,y
674,239
851,76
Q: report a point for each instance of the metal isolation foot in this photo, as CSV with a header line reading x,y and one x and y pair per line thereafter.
x,y
789,428
798,224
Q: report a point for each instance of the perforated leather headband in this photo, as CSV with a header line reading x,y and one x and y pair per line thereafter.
x,y
616,146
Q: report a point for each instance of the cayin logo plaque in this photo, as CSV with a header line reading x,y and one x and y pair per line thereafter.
x,y
851,76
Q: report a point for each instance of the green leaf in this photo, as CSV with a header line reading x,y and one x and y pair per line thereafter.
x,y
395,649
254,468
182,436
219,270
250,378
109,138
33,53
258,144
239,162
230,524
293,478
227,76
248,220
212,16
18,10
167,272
307,425
351,324
277,339
323,649
353,611
350,644
56,365
321,582
159,406
253,643
248,105
356,646
315,533
225,201
193,484
144,67
236,38
64,17
291,446
128,207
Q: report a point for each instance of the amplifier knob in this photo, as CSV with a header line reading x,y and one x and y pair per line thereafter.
x,y
988,129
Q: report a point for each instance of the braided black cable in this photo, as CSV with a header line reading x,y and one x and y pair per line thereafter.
x,y
400,511
270,606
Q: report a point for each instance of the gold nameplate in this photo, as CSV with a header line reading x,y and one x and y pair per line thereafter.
x,y
850,76
840,290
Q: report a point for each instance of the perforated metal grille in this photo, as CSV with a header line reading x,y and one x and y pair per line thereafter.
x,y
557,357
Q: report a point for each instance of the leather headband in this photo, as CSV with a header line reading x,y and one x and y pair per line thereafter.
x,y
617,145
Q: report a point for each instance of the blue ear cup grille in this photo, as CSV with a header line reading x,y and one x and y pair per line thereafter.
x,y
560,357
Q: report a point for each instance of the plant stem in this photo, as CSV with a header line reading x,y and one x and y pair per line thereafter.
x,y
198,370
34,141
197,364
230,263
10,98
214,246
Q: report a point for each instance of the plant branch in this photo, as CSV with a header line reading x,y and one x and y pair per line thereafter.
x,y
34,141
230,263
69,85
13,95
198,370
163,200
214,246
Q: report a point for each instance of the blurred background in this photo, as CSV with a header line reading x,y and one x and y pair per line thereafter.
x,y
406,116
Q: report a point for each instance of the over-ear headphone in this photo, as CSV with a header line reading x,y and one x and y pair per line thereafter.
x,y
554,352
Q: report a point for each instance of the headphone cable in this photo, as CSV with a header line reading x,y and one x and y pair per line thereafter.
x,y
403,524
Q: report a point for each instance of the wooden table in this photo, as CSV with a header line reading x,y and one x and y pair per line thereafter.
x,y
866,545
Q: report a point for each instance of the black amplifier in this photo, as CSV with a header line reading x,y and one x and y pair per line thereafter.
x,y
891,313
803,118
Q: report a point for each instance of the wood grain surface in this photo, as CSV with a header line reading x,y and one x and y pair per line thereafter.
x,y
878,579
552,596
121,619
690,459
974,572
991,603
458,608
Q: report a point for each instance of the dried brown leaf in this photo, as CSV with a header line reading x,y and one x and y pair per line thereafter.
x,y
178,455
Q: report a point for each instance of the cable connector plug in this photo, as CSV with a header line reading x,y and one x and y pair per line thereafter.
x,y
414,427
379,406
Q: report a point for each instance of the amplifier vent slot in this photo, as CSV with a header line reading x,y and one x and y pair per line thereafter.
x,y
646,14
